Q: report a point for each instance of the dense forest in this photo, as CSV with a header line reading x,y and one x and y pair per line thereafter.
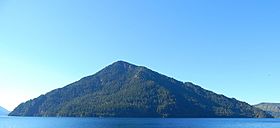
x,y
126,90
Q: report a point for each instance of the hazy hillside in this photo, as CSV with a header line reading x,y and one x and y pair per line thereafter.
x,y
272,108
127,90
3,111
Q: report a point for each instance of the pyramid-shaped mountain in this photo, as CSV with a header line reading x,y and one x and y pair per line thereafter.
x,y
126,90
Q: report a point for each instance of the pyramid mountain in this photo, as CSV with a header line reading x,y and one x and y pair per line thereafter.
x,y
126,90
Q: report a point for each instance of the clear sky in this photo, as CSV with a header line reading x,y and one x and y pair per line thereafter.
x,y
231,47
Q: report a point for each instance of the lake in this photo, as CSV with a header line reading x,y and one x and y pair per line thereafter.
x,y
53,122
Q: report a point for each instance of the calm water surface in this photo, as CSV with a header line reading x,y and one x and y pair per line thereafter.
x,y
51,122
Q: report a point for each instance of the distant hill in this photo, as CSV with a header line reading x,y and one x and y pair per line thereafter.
x,y
271,108
126,90
3,111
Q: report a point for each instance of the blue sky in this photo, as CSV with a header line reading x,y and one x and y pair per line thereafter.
x,y
227,46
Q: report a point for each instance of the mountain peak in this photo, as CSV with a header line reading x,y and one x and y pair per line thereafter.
x,y
126,90
119,67
123,64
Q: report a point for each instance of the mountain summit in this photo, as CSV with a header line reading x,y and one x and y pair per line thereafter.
x,y
126,90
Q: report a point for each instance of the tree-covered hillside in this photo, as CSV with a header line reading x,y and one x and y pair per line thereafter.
x,y
127,90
